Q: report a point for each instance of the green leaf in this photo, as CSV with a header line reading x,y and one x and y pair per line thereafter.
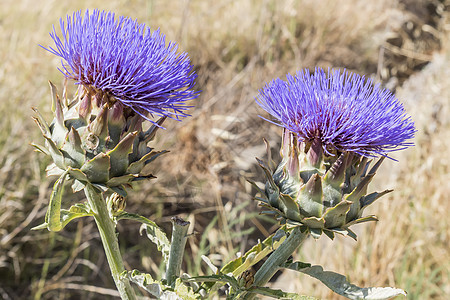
x,y
215,278
297,266
237,266
146,282
185,292
78,210
339,284
254,255
159,289
53,215
279,294
154,233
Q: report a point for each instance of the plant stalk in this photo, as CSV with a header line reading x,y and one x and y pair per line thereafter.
x,y
107,230
178,243
278,258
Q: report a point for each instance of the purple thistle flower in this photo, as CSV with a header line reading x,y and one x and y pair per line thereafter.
x,y
343,111
124,59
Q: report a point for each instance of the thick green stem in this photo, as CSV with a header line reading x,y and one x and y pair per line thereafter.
x,y
278,258
178,243
107,230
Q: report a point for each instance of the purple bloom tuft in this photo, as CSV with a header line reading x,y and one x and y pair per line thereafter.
x,y
124,59
343,111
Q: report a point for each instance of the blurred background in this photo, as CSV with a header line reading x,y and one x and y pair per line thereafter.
x,y
236,47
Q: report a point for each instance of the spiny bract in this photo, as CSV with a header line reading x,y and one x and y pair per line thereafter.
x,y
102,145
327,194
334,126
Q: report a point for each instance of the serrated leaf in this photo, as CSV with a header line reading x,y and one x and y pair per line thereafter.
x,y
146,282
53,215
159,289
78,210
339,284
279,294
215,278
297,266
154,233
185,292
254,255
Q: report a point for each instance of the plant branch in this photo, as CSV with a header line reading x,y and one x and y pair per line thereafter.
x,y
278,258
107,230
178,243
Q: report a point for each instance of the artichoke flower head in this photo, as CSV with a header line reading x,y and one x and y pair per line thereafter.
x,y
334,127
126,74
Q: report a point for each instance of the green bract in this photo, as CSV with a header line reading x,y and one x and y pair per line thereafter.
x,y
96,140
326,192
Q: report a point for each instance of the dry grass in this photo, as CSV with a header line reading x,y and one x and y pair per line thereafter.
x,y
236,47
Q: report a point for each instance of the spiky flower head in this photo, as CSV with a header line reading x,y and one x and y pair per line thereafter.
x,y
125,61
333,124
343,111
125,74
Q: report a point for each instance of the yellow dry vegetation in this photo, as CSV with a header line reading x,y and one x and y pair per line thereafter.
x,y
236,47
